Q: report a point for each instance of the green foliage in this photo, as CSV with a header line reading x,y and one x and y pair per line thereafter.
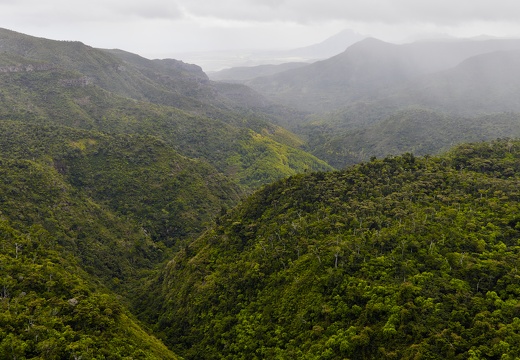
x,y
110,163
51,235
403,257
170,196
126,94
230,146
356,135
49,308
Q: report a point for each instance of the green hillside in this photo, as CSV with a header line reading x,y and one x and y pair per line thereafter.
x,y
140,177
109,165
400,258
50,308
417,130
232,144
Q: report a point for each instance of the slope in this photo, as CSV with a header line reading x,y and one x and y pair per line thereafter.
x,y
398,258
417,130
241,142
484,83
242,73
139,177
476,100
50,307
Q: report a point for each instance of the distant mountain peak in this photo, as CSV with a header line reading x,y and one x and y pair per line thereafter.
x,y
329,47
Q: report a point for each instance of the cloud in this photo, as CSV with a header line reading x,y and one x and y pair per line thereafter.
x,y
442,12
382,11
64,11
151,9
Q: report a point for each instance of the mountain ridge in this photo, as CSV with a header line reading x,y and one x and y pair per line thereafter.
x,y
366,69
394,258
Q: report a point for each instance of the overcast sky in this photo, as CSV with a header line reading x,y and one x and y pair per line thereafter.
x,y
156,28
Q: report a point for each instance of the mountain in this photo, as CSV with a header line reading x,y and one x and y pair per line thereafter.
x,y
110,163
61,251
473,101
140,177
74,85
368,70
49,308
364,102
403,257
214,61
149,212
329,47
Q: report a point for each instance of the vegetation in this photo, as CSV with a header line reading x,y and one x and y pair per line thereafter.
x,y
138,177
123,198
377,99
416,130
230,142
50,308
109,164
403,257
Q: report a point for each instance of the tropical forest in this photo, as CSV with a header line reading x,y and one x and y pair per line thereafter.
x,y
364,206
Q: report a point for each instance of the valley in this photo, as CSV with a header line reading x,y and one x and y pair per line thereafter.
x,y
363,206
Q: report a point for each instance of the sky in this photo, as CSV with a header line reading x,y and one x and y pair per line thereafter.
x,y
160,28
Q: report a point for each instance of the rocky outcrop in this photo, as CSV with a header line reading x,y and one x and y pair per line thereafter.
x,y
26,68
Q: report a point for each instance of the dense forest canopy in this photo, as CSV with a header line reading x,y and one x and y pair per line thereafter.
x,y
403,257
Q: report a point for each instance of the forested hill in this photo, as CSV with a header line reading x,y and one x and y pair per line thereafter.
x,y
417,130
399,258
126,231
60,253
378,98
72,84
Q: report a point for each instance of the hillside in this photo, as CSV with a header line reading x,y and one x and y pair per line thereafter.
x,y
50,307
402,258
417,130
486,83
149,212
111,163
85,217
421,112
139,177
223,130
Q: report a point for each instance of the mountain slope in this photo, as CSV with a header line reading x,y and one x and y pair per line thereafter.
x,y
140,177
475,100
50,307
232,142
398,258
328,47
250,72
484,83
417,130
